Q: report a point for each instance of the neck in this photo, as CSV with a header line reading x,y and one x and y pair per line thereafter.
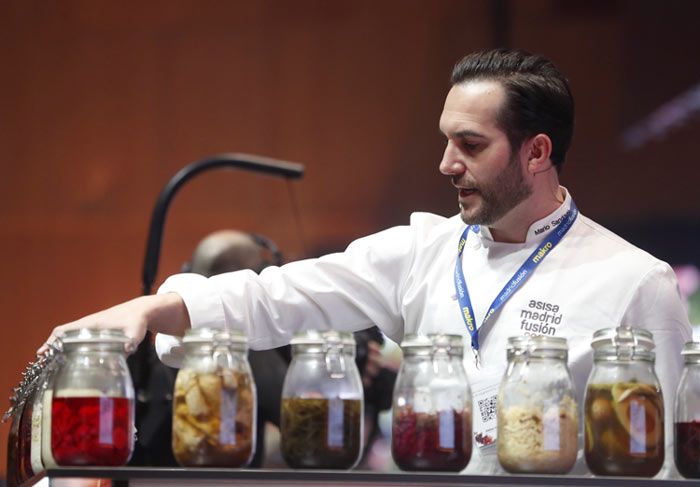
x,y
513,227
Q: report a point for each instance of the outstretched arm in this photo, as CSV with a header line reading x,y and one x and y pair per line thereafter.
x,y
163,313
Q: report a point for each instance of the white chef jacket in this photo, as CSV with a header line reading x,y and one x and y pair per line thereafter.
x,y
401,279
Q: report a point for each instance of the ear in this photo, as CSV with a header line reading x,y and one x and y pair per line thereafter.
x,y
537,153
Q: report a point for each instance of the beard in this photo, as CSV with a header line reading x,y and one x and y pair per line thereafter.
x,y
498,196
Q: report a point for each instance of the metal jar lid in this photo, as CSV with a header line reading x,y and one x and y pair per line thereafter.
x,y
308,341
623,342
453,343
691,353
93,335
215,336
413,344
537,346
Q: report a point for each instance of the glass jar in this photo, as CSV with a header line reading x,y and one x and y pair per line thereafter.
x,y
92,406
623,405
687,414
19,440
41,428
536,408
13,444
215,402
24,453
432,406
322,404
41,456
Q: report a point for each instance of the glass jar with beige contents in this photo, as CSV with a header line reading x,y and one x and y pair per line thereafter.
x,y
214,404
624,407
536,408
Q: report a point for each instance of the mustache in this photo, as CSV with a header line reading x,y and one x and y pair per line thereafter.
x,y
464,182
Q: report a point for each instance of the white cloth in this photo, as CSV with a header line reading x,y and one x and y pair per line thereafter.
x,y
401,279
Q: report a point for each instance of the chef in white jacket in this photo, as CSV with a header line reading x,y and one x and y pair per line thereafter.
x,y
518,259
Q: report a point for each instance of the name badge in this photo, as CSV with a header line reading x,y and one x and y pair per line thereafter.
x,y
484,396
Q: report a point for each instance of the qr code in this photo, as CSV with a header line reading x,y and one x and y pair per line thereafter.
x,y
487,408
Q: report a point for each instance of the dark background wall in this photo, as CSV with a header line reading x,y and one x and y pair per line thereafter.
x,y
101,102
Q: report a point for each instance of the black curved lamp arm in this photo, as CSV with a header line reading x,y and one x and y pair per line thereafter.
x,y
246,162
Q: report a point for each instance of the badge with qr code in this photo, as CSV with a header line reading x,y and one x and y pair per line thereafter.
x,y
484,395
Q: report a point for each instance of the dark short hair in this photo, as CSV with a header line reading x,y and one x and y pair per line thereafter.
x,y
538,97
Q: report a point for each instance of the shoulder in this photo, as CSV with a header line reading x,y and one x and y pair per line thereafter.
x,y
593,238
429,226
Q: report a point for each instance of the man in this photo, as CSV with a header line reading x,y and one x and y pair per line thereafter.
x,y
518,246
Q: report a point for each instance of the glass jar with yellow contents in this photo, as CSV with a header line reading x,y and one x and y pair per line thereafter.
x,y
214,404
623,406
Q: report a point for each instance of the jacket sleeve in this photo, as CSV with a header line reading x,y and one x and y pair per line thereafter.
x,y
347,291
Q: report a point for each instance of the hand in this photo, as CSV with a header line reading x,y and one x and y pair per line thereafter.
x,y
162,313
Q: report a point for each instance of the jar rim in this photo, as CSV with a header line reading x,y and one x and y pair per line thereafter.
x,y
308,337
413,340
211,335
691,348
623,337
93,335
537,343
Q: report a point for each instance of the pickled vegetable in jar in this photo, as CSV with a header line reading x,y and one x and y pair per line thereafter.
x,y
687,414
432,421
322,416
623,407
92,406
215,404
536,408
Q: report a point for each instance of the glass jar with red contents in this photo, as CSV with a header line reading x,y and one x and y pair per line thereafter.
x,y
687,414
214,402
623,405
431,425
92,403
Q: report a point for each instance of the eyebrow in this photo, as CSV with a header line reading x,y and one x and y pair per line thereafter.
x,y
466,133
469,133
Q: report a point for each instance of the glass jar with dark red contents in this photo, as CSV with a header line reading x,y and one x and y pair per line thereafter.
x,y
432,421
623,405
215,403
687,414
92,404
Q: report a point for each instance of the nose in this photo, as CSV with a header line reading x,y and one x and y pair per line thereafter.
x,y
451,163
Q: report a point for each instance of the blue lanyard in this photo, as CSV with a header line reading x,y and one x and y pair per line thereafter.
x,y
535,259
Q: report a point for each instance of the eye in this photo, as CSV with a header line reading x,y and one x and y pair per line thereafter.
x,y
470,147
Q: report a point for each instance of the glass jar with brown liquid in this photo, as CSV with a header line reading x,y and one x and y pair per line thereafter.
x,y
623,406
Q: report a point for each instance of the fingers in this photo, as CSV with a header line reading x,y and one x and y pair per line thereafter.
x,y
55,334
